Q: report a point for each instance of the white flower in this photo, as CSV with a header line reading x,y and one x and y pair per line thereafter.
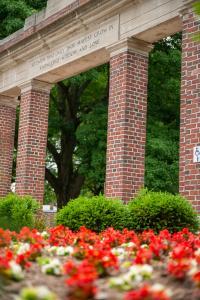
x,y
69,250
144,270
116,281
157,287
23,248
16,270
118,251
39,293
133,277
43,292
61,251
53,267
197,252
129,244
193,267
44,234
51,249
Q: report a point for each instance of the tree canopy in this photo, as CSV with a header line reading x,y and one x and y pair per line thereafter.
x,y
14,12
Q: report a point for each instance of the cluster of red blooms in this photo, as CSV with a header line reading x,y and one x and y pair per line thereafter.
x,y
146,293
93,255
81,279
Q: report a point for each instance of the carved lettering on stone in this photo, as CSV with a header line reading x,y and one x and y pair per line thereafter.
x,y
103,36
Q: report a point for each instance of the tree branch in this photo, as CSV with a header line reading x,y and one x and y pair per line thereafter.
x,y
52,180
52,149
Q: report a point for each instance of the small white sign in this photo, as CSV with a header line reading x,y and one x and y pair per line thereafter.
x,y
196,154
49,209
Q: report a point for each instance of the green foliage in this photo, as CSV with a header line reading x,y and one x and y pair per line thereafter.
x,y
49,195
91,151
14,12
157,211
16,212
197,11
96,213
163,116
197,7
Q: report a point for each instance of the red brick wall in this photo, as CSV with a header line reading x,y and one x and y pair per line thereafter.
x,y
32,141
126,125
190,110
7,131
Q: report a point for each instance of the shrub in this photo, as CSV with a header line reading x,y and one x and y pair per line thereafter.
x,y
95,213
17,212
157,211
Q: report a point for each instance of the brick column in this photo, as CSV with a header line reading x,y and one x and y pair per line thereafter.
x,y
32,140
7,133
127,119
189,178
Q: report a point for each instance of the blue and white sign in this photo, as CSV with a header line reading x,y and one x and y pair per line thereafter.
x,y
196,154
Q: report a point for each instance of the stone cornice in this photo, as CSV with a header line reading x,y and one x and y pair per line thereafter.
x,y
84,37
8,101
36,85
131,44
75,20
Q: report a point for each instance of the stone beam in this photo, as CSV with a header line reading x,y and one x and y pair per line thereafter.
x,y
79,40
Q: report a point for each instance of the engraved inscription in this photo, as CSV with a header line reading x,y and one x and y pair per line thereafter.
x,y
77,48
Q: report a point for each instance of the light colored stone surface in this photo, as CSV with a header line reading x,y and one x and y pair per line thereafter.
x,y
149,14
131,44
8,101
75,45
57,55
53,6
34,84
86,43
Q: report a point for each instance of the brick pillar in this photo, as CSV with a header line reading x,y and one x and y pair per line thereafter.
x,y
7,132
32,140
189,177
127,119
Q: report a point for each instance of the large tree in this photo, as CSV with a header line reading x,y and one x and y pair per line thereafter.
x,y
77,134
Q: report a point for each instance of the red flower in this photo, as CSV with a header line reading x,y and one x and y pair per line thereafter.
x,y
81,279
178,269
146,293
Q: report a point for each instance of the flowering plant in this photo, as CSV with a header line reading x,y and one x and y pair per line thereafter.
x,y
87,263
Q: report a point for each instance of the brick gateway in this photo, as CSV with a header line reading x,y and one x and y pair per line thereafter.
x,y
71,36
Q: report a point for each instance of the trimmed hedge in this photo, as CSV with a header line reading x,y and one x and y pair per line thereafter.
x,y
149,210
157,211
95,213
17,212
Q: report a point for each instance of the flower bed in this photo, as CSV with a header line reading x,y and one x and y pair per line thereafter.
x,y
60,264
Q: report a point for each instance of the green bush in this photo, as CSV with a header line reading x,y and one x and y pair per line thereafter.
x,y
17,212
157,211
95,213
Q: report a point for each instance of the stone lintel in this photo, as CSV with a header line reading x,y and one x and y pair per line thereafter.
x,y
37,85
131,44
8,101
